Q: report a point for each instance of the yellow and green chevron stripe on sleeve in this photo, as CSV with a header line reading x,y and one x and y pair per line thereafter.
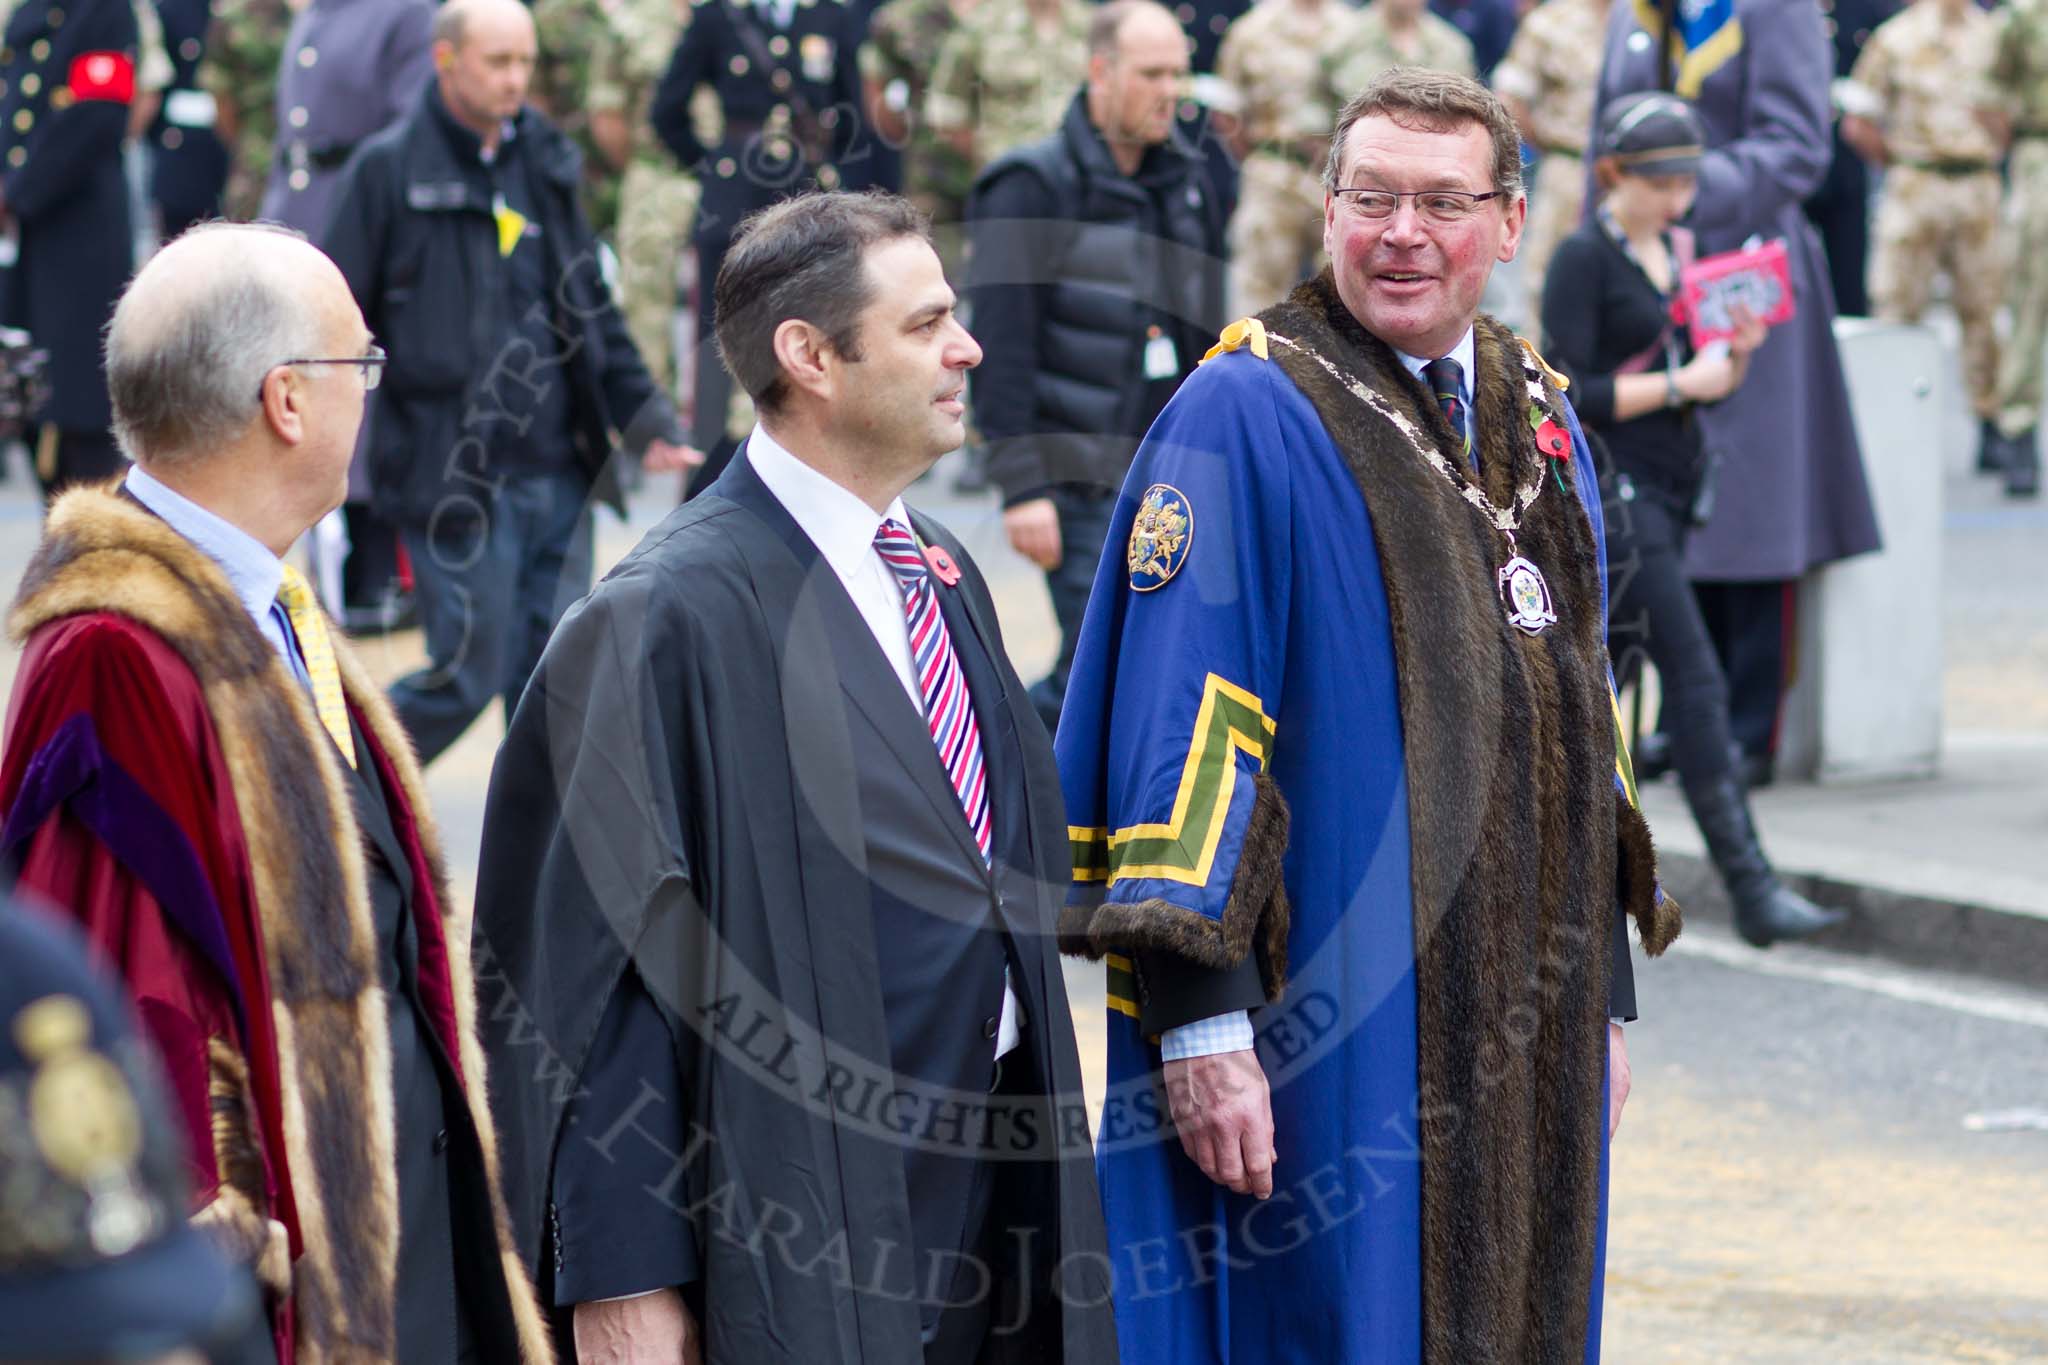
x,y
1230,721
1122,982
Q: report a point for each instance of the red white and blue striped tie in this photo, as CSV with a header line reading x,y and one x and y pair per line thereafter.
x,y
948,709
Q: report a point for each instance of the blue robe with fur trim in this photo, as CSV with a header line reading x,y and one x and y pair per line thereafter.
x,y
1268,649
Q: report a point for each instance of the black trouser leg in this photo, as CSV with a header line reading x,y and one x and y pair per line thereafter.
x,y
1748,622
1653,613
714,385
1655,610
1840,211
370,572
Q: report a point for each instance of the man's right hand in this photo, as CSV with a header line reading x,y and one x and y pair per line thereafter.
x,y
1034,527
649,1329
1225,1115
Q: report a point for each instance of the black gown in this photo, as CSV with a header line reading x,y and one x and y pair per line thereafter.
x,y
677,793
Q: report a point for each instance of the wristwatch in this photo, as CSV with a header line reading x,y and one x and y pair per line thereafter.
x,y
1672,397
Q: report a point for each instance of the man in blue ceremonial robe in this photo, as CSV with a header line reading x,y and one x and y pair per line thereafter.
x,y
1352,823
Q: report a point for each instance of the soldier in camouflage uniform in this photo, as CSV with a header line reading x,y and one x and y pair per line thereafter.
x,y
657,200
1271,64
243,52
1006,76
569,33
2019,72
1393,33
896,64
1920,102
1547,81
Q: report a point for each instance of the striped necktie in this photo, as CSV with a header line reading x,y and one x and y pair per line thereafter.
x,y
1446,379
302,609
948,709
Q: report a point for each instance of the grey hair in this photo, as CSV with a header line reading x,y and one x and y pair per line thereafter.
x,y
1435,102
186,381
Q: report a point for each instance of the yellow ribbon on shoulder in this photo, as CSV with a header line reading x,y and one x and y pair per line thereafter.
x,y
1536,358
1244,332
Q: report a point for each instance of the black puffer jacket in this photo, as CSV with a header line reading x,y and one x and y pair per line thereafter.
x,y
1074,264
414,234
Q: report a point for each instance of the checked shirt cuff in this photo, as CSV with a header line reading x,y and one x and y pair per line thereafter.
x,y
1230,1032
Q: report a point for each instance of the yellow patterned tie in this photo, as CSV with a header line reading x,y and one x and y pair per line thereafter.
x,y
296,597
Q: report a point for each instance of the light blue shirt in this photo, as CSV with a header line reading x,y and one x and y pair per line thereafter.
x,y
252,570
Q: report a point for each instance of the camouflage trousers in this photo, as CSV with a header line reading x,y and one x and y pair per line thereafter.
x,y
1929,224
657,208
1276,235
1556,201
2026,210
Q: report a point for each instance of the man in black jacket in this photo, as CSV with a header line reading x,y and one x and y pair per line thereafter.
x,y
511,375
1097,281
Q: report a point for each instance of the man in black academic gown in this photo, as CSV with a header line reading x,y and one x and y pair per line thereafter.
x,y
771,865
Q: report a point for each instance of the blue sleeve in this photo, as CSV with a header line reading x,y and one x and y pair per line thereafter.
x,y
1170,714
1586,483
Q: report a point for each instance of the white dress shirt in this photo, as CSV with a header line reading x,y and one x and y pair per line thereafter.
x,y
843,528
1232,1031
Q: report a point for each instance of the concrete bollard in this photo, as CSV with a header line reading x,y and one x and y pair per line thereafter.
x,y
1866,701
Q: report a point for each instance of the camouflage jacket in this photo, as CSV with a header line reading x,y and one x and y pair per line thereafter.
x,y
1552,69
1002,78
899,59
1925,77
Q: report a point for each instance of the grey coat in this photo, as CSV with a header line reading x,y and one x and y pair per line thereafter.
x,y
351,68
1790,493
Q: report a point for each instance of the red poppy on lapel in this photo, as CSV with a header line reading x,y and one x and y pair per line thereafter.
x,y
943,567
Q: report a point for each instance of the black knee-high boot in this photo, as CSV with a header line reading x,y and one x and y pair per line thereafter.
x,y
1766,910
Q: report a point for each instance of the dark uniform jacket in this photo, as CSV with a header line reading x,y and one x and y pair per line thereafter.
x,y
792,103
188,165
351,68
415,235
1076,268
67,76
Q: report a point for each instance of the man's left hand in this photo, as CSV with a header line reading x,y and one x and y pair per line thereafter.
x,y
1617,1077
661,457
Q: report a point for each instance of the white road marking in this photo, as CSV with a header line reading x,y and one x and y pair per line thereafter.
x,y
2007,1121
1895,983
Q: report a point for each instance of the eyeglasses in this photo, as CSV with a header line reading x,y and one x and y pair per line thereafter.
x,y
1441,207
372,362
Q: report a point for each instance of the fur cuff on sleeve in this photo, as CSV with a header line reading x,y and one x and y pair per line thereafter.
x,y
1657,916
1255,918
247,1238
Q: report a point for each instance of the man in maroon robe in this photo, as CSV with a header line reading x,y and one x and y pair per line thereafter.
x,y
198,769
